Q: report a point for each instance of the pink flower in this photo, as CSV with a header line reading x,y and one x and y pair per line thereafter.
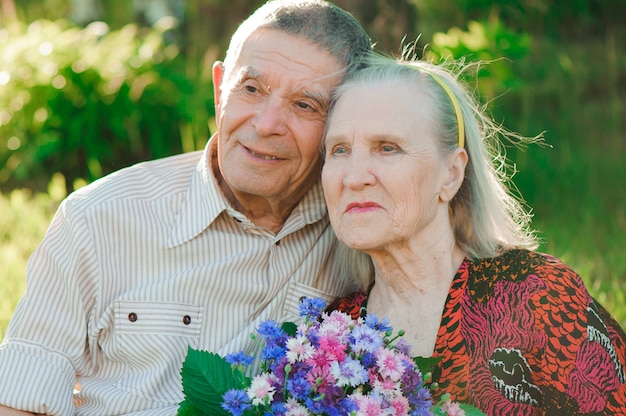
x,y
400,405
451,408
368,405
320,377
333,347
387,388
320,360
389,364
337,325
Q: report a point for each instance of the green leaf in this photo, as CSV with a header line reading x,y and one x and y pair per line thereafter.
x,y
187,408
290,328
471,410
467,408
206,377
426,364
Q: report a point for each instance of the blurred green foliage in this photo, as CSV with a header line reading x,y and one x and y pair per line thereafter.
x,y
86,101
550,65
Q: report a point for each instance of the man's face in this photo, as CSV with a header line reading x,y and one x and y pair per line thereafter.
x,y
271,111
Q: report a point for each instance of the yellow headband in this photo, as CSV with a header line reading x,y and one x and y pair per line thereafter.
x,y
455,105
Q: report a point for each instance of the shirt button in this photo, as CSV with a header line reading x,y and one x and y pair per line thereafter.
x,y
132,316
186,319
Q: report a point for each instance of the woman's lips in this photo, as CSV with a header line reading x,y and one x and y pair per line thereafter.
x,y
361,206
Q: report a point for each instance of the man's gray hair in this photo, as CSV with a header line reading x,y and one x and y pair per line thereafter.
x,y
328,26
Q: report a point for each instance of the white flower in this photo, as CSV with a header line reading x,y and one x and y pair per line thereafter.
x,y
350,372
261,390
299,349
295,409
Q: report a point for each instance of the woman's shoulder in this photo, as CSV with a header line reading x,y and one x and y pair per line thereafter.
x,y
352,304
516,265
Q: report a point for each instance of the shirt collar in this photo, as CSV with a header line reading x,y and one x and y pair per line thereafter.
x,y
204,202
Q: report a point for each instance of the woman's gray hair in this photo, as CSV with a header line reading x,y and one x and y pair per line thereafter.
x,y
486,214
331,28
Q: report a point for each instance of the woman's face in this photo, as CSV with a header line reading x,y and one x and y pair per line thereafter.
x,y
383,177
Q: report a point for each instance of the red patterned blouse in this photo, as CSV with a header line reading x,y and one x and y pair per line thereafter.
x,y
520,335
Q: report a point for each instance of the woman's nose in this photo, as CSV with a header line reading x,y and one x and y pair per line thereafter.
x,y
359,172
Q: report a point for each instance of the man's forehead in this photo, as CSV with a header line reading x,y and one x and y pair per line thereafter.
x,y
319,85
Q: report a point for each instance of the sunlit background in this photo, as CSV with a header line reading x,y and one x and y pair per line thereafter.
x,y
89,86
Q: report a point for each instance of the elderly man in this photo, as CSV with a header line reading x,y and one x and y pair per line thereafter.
x,y
195,249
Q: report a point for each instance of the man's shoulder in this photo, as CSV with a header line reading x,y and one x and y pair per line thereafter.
x,y
147,180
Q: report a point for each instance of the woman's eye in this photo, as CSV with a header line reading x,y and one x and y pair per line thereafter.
x,y
387,148
338,150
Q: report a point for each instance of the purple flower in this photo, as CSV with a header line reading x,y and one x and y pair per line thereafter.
x,y
365,339
403,346
420,399
350,372
298,386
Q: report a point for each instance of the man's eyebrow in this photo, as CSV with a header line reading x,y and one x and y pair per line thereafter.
x,y
246,72
322,98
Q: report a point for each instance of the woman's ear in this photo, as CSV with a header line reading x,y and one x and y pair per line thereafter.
x,y
218,78
456,163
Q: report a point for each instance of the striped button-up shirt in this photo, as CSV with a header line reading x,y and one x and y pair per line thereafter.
x,y
140,265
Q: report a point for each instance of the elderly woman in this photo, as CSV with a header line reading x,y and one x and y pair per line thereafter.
x,y
413,179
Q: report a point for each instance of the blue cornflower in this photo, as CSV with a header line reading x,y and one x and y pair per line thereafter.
x,y
239,358
277,409
298,386
347,405
273,353
372,321
420,399
235,402
350,372
368,359
312,307
272,331
365,339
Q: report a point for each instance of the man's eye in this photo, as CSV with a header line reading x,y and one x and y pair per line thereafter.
x,y
305,106
251,89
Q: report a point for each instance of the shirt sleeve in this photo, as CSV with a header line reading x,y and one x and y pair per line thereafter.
x,y
45,344
584,352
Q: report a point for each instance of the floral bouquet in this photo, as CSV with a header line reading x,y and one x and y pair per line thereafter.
x,y
328,365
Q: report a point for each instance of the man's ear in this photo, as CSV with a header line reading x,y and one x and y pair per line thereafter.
x,y
218,78
456,173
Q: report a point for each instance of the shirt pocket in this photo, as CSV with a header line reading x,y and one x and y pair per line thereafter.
x,y
297,291
151,342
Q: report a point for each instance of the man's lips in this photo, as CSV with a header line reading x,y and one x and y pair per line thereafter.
x,y
361,206
261,155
